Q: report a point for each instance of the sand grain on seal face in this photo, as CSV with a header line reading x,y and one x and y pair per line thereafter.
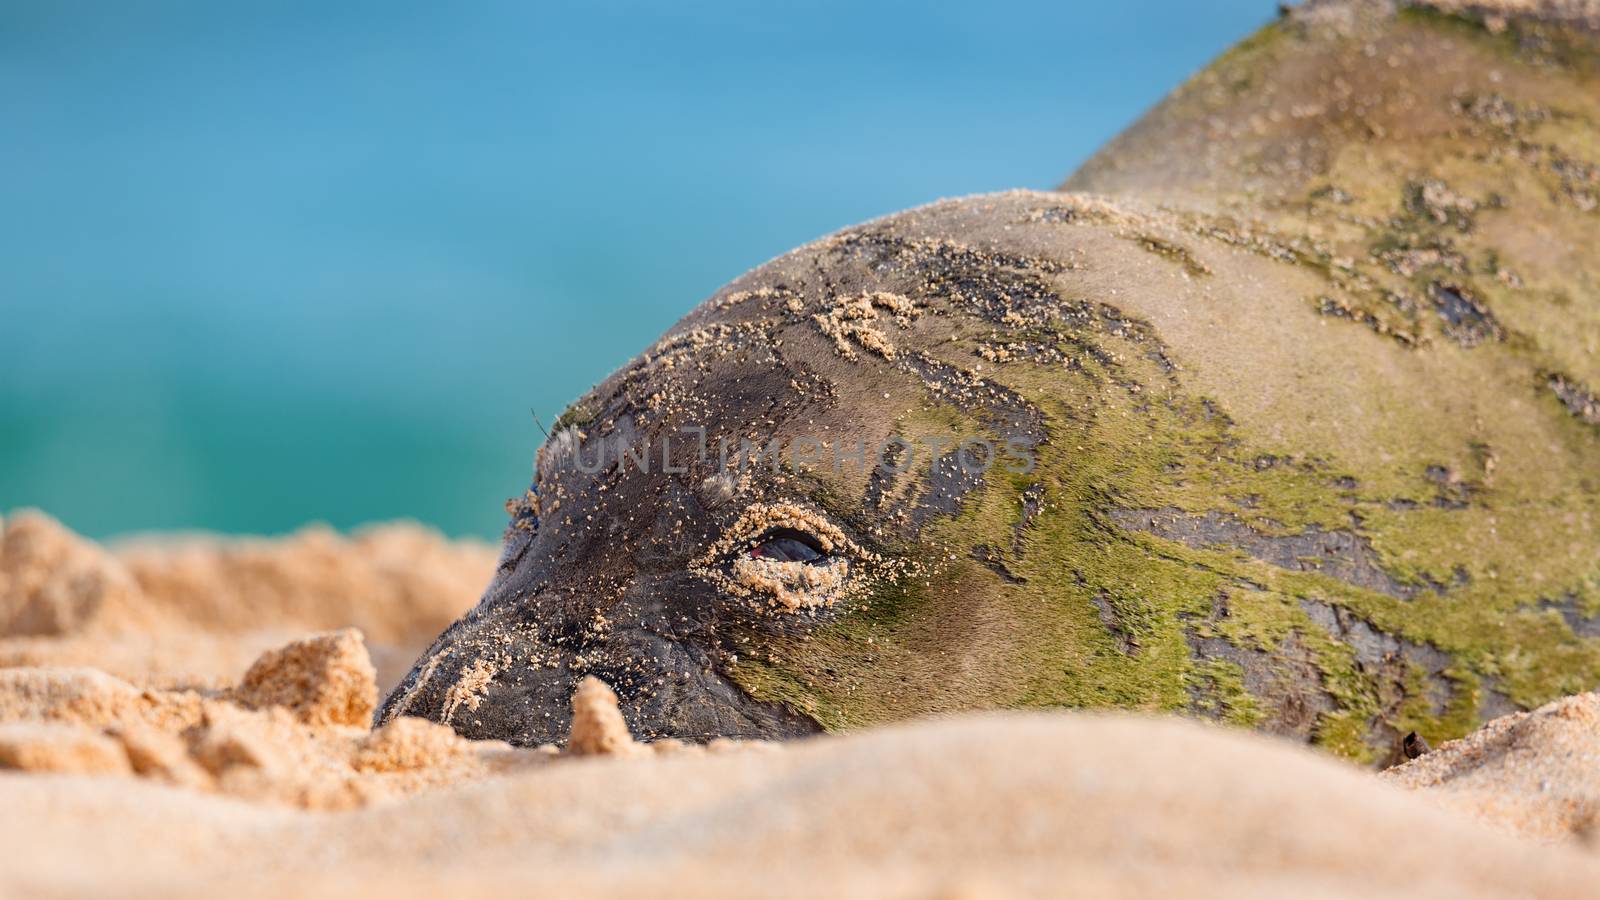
x,y
468,690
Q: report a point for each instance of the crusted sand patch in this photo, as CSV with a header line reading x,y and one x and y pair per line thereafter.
x,y
469,688
324,679
858,319
792,585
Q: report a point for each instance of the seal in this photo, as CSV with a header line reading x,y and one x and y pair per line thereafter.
x,y
1281,412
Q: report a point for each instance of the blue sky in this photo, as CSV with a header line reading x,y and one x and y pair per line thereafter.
x,y
264,264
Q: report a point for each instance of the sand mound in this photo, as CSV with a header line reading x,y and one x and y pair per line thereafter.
x,y
47,747
1537,773
985,806
193,612
53,583
294,731
325,679
980,806
597,725
263,779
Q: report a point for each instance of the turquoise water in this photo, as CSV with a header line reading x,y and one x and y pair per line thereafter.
x,y
264,264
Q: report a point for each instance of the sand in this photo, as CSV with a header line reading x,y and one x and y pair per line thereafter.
x,y
1536,773
265,780
194,611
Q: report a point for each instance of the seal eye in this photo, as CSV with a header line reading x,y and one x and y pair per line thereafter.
x,y
787,545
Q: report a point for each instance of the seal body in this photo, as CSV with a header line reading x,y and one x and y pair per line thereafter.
x,y
1292,424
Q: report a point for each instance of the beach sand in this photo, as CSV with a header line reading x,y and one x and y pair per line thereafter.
x,y
186,720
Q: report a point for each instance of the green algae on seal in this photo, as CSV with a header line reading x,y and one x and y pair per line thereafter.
x,y
1286,410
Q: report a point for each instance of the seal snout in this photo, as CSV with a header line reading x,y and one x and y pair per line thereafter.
x,y
489,681
495,676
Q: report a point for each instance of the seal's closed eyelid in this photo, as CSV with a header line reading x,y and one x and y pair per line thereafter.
x,y
788,545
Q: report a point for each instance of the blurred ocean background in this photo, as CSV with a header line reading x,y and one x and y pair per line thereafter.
x,y
269,263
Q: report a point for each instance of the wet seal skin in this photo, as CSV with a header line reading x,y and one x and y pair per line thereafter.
x,y
1276,414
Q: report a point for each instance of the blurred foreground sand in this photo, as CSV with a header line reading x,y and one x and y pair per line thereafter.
x,y
146,750
195,611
